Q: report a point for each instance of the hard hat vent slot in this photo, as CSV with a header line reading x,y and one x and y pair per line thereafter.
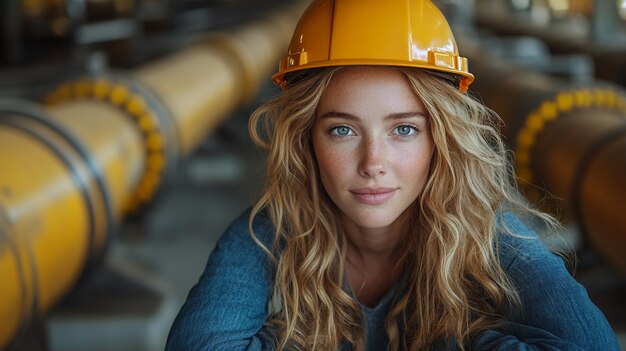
x,y
297,59
441,59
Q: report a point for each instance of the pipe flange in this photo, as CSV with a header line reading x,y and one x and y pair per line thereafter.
x,y
548,111
142,110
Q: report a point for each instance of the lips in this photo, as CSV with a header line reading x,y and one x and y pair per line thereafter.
x,y
373,196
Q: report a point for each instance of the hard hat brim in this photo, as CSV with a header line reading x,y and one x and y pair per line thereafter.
x,y
279,78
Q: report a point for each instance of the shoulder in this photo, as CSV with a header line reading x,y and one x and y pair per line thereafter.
x,y
238,232
518,244
237,249
227,308
533,268
551,299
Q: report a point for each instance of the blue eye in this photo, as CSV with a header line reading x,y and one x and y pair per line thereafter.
x,y
405,130
341,131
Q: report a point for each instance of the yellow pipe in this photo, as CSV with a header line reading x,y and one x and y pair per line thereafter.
x,y
205,81
43,245
569,140
121,132
111,140
103,148
197,86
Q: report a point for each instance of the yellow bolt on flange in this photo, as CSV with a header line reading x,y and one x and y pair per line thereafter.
x,y
134,105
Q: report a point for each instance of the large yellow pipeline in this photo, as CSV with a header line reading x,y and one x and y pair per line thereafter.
x,y
55,214
569,139
101,148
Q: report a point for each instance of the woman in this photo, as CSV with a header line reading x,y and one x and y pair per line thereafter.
x,y
387,220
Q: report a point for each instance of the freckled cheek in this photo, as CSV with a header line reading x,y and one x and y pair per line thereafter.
x,y
413,163
333,162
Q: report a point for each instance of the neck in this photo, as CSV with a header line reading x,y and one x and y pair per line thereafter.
x,y
372,256
371,247
372,260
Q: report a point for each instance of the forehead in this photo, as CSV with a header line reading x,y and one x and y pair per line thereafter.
x,y
370,89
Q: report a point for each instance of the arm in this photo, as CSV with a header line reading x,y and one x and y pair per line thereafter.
x,y
556,313
227,308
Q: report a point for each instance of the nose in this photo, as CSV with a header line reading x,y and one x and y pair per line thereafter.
x,y
373,159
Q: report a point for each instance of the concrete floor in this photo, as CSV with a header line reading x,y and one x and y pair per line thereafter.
x,y
130,302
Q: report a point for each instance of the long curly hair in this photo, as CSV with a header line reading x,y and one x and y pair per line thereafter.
x,y
453,283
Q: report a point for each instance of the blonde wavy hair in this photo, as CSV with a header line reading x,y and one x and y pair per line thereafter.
x,y
453,283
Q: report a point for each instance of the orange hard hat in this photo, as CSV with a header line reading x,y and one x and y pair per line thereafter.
x,y
409,33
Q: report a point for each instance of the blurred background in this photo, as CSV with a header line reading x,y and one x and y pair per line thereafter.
x,y
124,150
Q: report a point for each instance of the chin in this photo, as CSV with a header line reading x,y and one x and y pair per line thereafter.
x,y
373,218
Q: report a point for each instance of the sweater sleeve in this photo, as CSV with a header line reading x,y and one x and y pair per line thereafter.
x,y
556,312
227,308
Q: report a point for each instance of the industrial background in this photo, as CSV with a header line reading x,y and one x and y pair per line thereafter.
x,y
124,151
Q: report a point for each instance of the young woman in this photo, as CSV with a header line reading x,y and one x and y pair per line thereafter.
x,y
388,220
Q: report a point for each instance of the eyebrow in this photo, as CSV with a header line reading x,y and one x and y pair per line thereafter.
x,y
400,115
